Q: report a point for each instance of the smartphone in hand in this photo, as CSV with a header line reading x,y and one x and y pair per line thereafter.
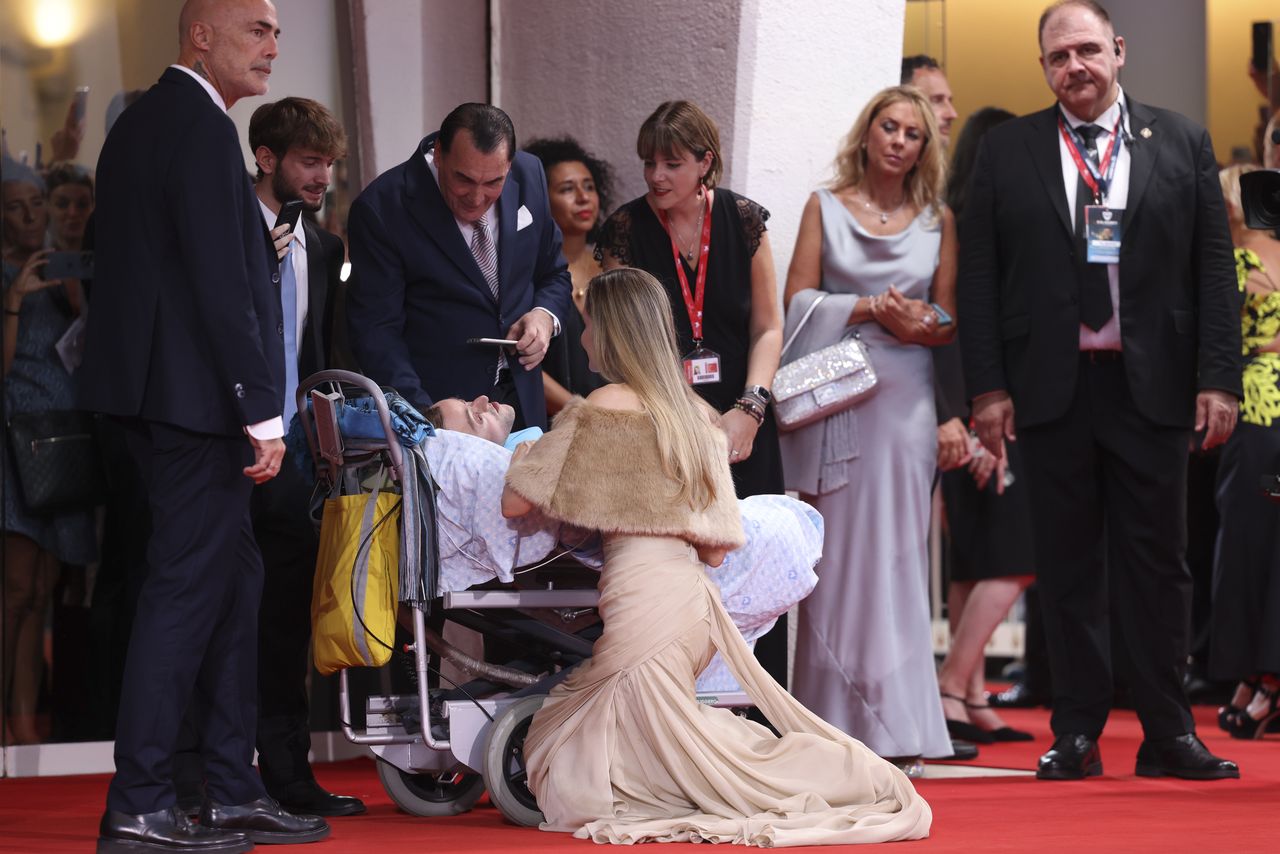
x,y
944,319
1263,45
290,213
68,265
81,102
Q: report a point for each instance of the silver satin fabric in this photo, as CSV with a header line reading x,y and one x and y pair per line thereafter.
x,y
864,658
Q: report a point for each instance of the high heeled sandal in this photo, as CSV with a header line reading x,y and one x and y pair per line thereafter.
x,y
1244,725
964,730
1004,733
1228,715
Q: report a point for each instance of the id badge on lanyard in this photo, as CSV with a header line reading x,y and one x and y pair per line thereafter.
x,y
701,365
1102,223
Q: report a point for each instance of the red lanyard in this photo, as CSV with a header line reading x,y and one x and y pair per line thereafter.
x,y
1093,176
692,301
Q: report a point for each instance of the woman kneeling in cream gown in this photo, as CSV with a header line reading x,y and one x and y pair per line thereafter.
x,y
621,751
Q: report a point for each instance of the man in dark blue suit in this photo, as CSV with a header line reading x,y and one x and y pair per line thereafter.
x,y
295,142
458,243
184,349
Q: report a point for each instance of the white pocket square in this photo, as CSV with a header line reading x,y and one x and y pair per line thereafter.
x,y
524,219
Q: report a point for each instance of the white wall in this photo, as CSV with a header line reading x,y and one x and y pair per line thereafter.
x,y
595,69
803,81
783,80
424,57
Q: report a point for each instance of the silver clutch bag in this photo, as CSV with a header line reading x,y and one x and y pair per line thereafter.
x,y
823,382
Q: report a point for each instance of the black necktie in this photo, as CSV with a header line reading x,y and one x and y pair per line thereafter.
x,y
1095,287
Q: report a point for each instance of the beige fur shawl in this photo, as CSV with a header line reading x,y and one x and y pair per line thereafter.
x,y
599,469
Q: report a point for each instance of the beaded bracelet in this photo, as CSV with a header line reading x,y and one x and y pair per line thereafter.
x,y
750,408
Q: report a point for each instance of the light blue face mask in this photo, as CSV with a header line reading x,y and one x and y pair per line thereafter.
x,y
528,434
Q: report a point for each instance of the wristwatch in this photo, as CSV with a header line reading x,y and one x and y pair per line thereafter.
x,y
760,392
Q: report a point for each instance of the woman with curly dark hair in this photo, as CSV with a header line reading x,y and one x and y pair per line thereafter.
x,y
578,188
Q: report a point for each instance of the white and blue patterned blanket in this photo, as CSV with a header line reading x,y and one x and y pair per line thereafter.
x,y
758,582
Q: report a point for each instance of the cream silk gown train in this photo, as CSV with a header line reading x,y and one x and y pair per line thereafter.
x,y
622,752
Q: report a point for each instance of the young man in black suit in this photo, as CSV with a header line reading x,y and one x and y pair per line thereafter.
x,y
1112,357
458,243
184,350
295,142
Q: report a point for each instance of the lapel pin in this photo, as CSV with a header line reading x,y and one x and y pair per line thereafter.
x,y
1145,133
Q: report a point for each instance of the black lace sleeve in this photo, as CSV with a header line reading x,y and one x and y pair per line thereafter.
x,y
615,237
753,218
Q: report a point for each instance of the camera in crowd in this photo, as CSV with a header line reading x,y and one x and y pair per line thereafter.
x,y
1260,196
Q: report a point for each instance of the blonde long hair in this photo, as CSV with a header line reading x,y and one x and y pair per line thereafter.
x,y
926,182
635,343
1229,179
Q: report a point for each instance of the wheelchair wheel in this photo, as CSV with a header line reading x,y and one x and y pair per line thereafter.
x,y
505,775
447,793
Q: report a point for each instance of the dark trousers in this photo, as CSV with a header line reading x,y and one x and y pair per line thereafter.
x,y
1108,498
193,646
280,510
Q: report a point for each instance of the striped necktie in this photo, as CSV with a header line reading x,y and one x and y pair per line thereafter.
x,y
485,252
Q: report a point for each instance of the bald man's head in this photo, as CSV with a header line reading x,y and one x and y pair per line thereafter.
x,y
230,43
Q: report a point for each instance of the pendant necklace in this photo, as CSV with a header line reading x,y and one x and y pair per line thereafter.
x,y
884,215
693,242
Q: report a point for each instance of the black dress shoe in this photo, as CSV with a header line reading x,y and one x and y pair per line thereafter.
x,y
1017,696
962,750
1072,757
1182,756
264,821
164,831
306,797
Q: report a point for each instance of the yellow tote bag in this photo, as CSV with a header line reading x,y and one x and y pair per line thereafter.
x,y
354,599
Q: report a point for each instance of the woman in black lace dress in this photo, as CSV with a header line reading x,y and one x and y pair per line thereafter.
x,y
694,236
680,148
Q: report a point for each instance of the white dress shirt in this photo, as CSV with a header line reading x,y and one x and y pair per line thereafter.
x,y
272,428
1108,337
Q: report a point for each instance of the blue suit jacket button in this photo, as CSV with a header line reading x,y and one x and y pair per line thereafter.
x,y
280,329
275,278
239,390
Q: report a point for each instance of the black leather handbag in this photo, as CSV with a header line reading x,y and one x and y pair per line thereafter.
x,y
57,459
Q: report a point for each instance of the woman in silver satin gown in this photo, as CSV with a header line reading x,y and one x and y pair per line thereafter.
x,y
881,241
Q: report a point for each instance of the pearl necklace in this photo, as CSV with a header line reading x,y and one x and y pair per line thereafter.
x,y
884,215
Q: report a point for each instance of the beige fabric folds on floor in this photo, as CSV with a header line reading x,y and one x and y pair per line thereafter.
x,y
622,752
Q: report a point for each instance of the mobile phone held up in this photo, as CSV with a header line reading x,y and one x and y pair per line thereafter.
x,y
290,212
81,102
1263,45
68,265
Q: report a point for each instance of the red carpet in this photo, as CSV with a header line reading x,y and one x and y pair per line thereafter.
x,y
1117,812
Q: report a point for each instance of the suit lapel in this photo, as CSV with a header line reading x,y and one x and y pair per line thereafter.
x,y
317,294
1142,156
427,208
507,207
1043,142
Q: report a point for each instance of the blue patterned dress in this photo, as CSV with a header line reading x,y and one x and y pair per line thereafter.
x,y
37,381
